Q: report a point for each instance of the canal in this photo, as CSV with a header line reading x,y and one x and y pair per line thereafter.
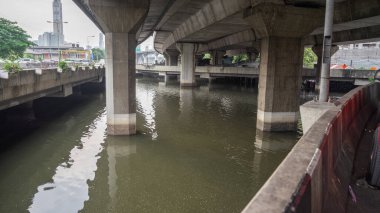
x,y
195,151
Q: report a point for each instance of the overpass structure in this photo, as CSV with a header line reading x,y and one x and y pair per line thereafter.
x,y
28,85
356,77
277,29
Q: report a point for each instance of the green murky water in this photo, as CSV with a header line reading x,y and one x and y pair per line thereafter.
x,y
196,151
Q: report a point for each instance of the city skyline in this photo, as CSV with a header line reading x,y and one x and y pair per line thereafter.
x,y
34,21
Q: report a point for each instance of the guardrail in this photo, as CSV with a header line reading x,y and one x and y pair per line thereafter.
x,y
315,175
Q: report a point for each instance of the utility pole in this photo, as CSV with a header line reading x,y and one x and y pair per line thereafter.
x,y
326,53
59,38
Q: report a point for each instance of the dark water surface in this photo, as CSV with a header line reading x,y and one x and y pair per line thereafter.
x,y
196,151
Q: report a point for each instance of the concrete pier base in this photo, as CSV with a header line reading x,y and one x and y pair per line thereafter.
x,y
277,121
279,84
121,124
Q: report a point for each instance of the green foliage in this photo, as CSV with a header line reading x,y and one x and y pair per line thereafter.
x,y
13,39
309,58
240,58
98,53
63,65
28,55
371,80
11,65
207,56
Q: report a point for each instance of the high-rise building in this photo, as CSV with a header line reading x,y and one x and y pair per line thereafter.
x,y
58,22
56,38
101,41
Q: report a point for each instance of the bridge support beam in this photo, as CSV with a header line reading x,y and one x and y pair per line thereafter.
x,y
188,51
217,57
252,55
120,21
171,57
121,83
279,84
280,29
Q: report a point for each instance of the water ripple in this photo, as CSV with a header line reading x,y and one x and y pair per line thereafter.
x,y
69,189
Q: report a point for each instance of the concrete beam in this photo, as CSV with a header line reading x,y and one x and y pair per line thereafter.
x,y
268,19
130,14
27,86
186,24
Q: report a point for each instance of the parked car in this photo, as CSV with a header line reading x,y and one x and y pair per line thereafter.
x,y
85,62
101,62
25,60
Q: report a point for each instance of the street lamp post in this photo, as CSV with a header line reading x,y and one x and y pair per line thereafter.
x,y
88,39
59,34
88,43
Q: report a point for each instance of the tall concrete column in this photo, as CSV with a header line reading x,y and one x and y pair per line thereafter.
x,y
252,54
121,83
279,84
171,57
217,57
188,51
280,29
120,22
167,62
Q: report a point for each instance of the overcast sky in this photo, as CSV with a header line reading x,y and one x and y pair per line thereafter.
x,y
32,16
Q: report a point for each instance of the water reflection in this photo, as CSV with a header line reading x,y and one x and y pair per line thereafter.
x,y
69,189
116,150
197,151
145,97
186,102
274,141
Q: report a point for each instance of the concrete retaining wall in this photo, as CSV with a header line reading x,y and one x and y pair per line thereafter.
x,y
350,75
227,71
27,85
315,175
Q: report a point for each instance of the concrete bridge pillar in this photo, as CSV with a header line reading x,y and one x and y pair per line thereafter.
x,y
252,55
280,29
279,84
121,83
120,21
217,57
317,49
188,51
171,57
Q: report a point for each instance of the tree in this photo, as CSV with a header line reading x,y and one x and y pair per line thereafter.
x,y
13,39
309,58
98,53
